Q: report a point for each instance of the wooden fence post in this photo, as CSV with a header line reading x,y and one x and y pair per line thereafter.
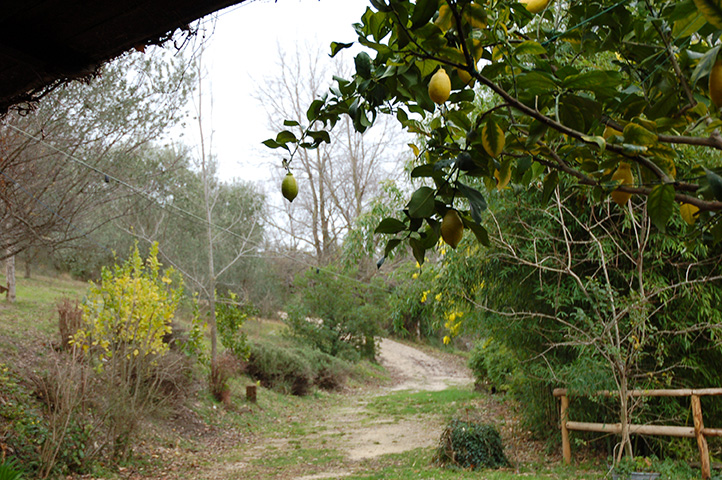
x,y
564,416
251,393
701,441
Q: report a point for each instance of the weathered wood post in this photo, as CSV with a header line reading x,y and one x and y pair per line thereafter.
x,y
251,393
699,435
564,416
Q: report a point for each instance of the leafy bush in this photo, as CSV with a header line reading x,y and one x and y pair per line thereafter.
x,y
491,362
126,318
336,315
295,370
470,445
230,317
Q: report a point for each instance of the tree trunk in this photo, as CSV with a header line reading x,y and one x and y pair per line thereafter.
x,y
10,276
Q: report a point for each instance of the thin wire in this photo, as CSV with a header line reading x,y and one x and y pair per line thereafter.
x,y
51,210
179,210
584,22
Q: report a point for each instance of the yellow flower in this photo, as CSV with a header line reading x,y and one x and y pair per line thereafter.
x,y
438,297
415,275
447,340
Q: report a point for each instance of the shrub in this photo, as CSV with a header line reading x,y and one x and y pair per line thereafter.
x,y
230,317
491,362
64,387
226,365
349,314
70,319
470,445
125,320
295,370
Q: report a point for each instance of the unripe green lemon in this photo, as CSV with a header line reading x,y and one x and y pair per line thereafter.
x,y
452,228
289,187
440,87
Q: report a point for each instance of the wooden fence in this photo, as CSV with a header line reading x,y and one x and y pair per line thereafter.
x,y
698,431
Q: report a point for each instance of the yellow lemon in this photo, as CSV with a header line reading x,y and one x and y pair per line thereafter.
x,y
689,213
624,176
715,83
536,6
440,87
289,187
452,228
465,76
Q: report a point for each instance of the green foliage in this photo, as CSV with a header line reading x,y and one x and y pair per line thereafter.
x,y
666,469
470,445
9,470
230,317
337,315
492,362
550,89
127,317
295,370
128,314
21,419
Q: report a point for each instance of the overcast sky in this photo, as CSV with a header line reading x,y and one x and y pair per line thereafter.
x,y
241,50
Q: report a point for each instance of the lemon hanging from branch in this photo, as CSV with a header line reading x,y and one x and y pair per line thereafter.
x,y
715,83
452,228
440,87
624,176
535,6
289,187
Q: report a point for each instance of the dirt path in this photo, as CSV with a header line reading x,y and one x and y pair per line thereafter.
x,y
343,436
416,370
366,436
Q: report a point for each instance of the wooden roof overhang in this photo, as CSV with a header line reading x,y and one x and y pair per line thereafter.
x,y
44,43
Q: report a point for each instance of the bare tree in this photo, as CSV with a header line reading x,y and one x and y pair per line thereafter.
x,y
337,180
595,288
51,159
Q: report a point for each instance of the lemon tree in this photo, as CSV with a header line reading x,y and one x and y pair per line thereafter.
x,y
571,90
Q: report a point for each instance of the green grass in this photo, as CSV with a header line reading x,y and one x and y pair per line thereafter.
x,y
34,312
417,464
446,402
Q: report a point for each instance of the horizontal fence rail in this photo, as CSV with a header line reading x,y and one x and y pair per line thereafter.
x,y
698,431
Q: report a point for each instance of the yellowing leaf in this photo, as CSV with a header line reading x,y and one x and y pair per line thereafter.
x,y
689,213
504,175
492,138
415,149
445,19
712,11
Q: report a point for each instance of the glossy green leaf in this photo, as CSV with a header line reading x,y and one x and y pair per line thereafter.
x,y
390,225
423,11
482,236
337,47
660,205
715,183
477,202
417,248
550,184
421,204
391,245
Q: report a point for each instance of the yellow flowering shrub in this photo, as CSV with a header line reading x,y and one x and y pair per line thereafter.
x,y
130,311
